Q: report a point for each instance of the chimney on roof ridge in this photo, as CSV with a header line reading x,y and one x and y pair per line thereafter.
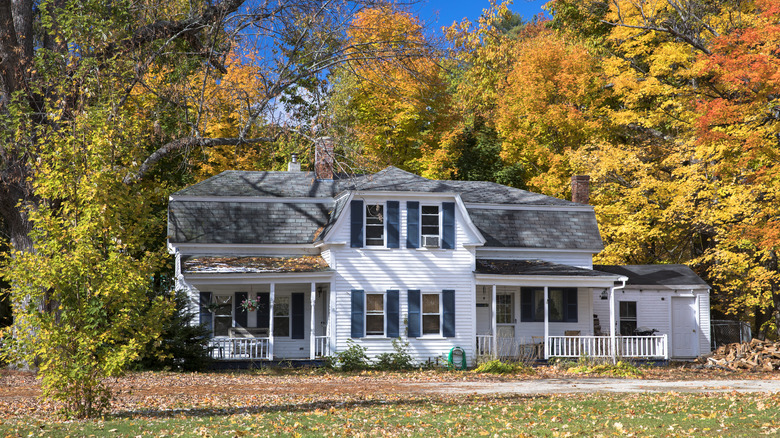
x,y
580,188
294,165
323,158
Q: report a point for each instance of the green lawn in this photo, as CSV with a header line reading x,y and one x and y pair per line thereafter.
x,y
669,414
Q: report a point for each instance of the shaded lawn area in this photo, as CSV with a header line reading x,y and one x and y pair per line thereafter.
x,y
315,403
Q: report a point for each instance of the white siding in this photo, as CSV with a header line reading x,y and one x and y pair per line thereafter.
x,y
654,310
705,337
429,270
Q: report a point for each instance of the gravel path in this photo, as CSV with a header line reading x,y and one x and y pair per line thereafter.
x,y
580,385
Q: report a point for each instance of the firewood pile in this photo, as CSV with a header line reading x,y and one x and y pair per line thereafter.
x,y
755,355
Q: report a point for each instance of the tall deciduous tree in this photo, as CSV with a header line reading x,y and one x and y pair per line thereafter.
x,y
695,88
97,100
391,108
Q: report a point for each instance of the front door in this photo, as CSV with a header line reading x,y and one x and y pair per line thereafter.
x,y
505,325
684,328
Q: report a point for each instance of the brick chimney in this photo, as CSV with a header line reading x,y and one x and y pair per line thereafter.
x,y
580,188
323,158
294,165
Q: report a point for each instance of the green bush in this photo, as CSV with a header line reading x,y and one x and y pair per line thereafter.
x,y
353,358
182,345
397,361
498,367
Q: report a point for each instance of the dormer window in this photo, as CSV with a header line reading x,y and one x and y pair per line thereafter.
x,y
375,225
430,226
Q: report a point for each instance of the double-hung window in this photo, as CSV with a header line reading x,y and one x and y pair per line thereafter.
x,y
282,316
223,314
562,304
430,226
628,319
431,314
375,225
375,314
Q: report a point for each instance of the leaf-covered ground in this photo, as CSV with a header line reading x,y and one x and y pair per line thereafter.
x,y
316,403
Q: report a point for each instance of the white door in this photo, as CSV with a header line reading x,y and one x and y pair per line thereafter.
x,y
484,325
685,331
505,324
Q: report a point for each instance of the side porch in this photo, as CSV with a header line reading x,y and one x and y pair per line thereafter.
x,y
536,310
257,315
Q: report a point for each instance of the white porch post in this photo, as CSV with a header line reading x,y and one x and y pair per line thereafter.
x,y
494,321
331,327
546,323
312,339
271,323
612,343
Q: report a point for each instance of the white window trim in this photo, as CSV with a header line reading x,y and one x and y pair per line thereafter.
x,y
366,204
440,226
440,313
288,316
384,315
232,314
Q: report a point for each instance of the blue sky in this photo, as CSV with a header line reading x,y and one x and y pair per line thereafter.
x,y
455,10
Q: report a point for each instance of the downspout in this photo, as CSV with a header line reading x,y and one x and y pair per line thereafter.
x,y
612,340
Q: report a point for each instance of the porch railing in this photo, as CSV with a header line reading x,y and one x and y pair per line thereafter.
x,y
485,345
239,348
321,346
643,346
649,347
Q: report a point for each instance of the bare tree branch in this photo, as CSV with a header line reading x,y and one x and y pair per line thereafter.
x,y
186,143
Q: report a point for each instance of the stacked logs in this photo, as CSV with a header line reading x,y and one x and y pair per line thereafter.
x,y
755,355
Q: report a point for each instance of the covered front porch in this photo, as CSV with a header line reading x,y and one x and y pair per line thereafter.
x,y
532,310
265,312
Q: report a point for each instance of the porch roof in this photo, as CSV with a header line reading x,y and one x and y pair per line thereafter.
x,y
534,268
237,265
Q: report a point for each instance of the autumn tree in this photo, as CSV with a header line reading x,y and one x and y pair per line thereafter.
x,y
102,105
390,109
694,86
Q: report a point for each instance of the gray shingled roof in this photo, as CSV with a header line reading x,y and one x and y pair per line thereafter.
x,y
262,184
245,222
194,221
393,179
533,267
576,229
655,275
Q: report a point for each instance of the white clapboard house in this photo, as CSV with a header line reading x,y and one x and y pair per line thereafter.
x,y
494,270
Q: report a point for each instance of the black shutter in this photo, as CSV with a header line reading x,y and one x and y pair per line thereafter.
x,y
393,222
526,305
448,317
448,225
412,224
206,316
358,309
264,310
393,314
356,224
297,315
240,314
414,313
570,304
